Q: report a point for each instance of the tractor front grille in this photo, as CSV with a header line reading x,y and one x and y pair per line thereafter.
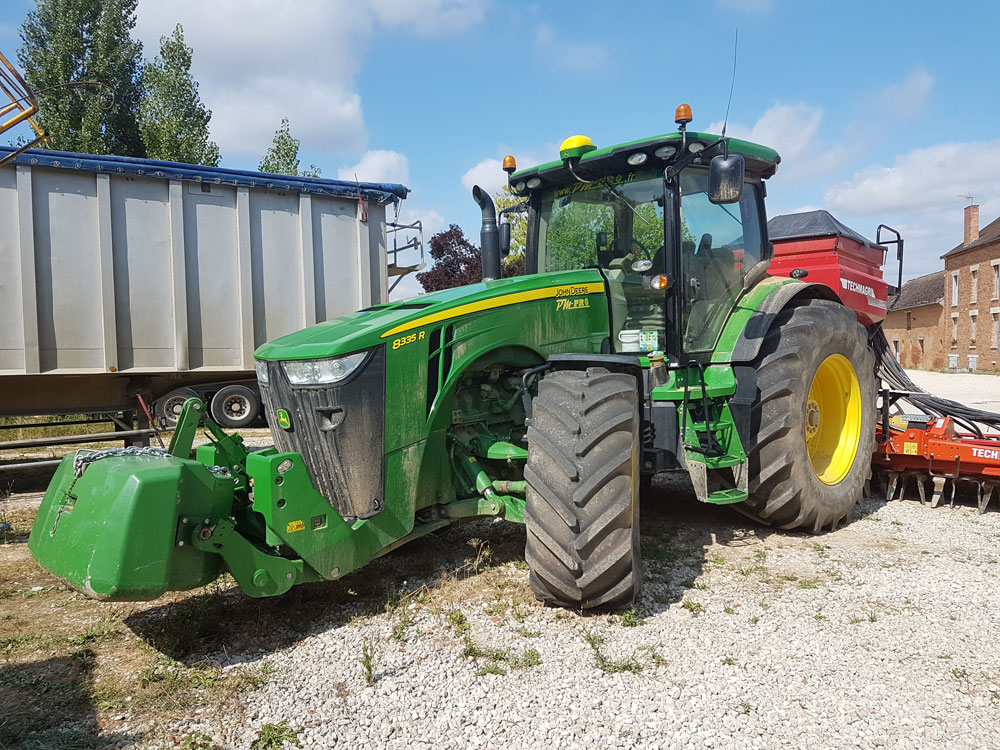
x,y
339,430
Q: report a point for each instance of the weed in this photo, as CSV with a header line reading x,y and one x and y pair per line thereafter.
x,y
274,737
789,578
107,699
818,616
745,708
695,608
631,619
458,621
754,620
491,668
595,641
369,661
944,656
729,661
820,549
525,633
103,628
896,523
498,608
406,620
872,617
809,583
497,656
716,560
197,741
729,610
654,654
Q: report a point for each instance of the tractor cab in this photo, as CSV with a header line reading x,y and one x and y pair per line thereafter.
x,y
675,224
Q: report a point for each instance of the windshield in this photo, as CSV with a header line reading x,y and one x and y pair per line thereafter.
x,y
586,225
616,224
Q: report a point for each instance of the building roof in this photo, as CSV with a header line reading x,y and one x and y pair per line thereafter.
x,y
989,233
923,290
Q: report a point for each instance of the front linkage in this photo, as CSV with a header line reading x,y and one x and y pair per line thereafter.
x,y
131,525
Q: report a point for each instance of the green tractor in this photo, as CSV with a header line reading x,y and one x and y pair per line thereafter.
x,y
646,335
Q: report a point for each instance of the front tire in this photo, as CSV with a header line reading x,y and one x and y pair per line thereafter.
x,y
582,502
813,423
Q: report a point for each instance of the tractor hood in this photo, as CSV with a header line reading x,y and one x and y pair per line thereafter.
x,y
383,323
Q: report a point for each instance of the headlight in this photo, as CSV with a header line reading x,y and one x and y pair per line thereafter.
x,y
261,368
322,371
534,182
636,159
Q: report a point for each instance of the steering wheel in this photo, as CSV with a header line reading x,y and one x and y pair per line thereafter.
x,y
634,243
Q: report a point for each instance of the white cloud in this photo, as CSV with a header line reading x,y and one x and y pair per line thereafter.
x,y
430,17
571,55
920,194
922,179
378,166
258,61
906,98
488,174
792,129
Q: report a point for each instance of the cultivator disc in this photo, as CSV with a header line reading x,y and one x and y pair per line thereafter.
x,y
936,489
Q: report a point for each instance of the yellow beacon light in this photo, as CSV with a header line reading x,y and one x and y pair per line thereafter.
x,y
576,146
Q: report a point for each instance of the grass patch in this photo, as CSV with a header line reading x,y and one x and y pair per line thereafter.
x,y
274,737
406,620
499,658
695,608
525,633
809,583
630,618
458,622
369,661
609,666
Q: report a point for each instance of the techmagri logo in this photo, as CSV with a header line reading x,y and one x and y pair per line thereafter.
x,y
856,287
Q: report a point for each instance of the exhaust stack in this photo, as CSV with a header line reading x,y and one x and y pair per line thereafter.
x,y
489,235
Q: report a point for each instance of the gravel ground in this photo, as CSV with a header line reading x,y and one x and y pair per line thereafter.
x,y
978,390
877,635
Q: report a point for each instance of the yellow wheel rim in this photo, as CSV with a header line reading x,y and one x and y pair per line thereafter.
x,y
833,419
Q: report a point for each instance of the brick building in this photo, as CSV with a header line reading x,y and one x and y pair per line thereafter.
x,y
915,323
972,297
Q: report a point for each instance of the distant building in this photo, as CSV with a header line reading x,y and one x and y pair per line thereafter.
x,y
914,325
972,297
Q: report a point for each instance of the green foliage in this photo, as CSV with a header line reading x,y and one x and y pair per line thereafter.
x,y
282,155
68,41
274,737
514,263
631,618
172,120
608,666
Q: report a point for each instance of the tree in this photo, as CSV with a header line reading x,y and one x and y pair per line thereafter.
x,y
172,120
282,156
458,262
513,264
67,41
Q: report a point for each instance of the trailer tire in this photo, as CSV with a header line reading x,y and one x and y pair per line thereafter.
x,y
168,407
582,496
813,422
235,407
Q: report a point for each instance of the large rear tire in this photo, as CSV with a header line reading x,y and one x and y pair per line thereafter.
x,y
813,423
582,508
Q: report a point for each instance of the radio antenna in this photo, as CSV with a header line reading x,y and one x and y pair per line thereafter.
x,y
732,83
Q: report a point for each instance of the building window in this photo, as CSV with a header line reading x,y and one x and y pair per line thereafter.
x,y
921,342
954,289
996,280
954,329
975,286
996,330
972,317
895,346
909,321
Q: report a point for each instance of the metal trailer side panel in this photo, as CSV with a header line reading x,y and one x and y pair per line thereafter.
x,y
127,274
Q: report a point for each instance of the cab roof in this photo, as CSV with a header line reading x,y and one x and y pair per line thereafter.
x,y
760,160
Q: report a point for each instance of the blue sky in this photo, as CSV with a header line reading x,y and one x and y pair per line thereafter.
x,y
884,112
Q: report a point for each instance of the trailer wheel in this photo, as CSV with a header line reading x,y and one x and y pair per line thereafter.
x,y
582,509
813,424
234,407
168,408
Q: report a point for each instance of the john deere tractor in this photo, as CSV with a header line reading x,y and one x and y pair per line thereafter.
x,y
646,335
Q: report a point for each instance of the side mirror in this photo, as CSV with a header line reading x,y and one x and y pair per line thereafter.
x,y
602,241
504,240
725,178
